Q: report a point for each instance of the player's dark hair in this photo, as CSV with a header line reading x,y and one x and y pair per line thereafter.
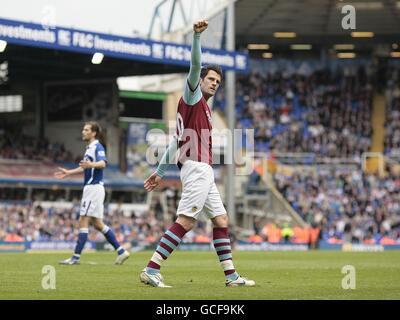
x,y
95,127
207,68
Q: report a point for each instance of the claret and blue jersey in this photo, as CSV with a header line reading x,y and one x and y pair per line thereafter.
x,y
94,152
193,117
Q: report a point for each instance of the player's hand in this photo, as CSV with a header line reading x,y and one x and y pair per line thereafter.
x,y
152,182
200,26
85,164
61,173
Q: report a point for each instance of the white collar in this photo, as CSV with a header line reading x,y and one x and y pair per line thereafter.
x,y
93,143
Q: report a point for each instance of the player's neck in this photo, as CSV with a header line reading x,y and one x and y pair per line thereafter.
x,y
206,97
90,141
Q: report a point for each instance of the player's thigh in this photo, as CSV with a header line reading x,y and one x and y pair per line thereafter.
x,y
83,222
92,204
213,206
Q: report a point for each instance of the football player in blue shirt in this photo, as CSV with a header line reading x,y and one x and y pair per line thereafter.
x,y
92,204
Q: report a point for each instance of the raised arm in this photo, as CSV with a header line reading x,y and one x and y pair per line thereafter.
x,y
192,93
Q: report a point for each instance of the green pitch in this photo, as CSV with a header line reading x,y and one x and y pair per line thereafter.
x,y
197,275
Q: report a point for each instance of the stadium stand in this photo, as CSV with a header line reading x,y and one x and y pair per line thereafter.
x,y
348,206
327,112
392,124
32,222
30,162
21,146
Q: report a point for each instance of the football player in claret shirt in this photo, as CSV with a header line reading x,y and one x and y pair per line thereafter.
x,y
92,204
199,193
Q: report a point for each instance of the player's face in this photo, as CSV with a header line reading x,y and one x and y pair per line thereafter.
x,y
87,133
210,84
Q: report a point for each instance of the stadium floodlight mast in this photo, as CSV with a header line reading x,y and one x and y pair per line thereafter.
x,y
230,96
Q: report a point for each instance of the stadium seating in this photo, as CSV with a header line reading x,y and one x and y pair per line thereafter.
x,y
27,222
392,123
20,146
324,112
327,112
352,207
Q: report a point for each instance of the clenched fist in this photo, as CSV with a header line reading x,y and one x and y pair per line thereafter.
x,y
200,26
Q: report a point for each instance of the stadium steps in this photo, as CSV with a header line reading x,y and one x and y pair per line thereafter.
x,y
378,123
374,162
280,204
265,202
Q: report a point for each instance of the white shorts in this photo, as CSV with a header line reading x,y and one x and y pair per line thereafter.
x,y
199,192
92,204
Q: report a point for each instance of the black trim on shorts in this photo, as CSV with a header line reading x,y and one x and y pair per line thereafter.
x,y
90,202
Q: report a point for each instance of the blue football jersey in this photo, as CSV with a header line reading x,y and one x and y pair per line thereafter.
x,y
94,152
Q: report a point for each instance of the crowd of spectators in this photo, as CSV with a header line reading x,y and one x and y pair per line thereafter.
x,y
392,121
29,222
20,146
327,113
347,206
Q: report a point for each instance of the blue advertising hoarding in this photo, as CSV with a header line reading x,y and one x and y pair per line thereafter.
x,y
36,35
